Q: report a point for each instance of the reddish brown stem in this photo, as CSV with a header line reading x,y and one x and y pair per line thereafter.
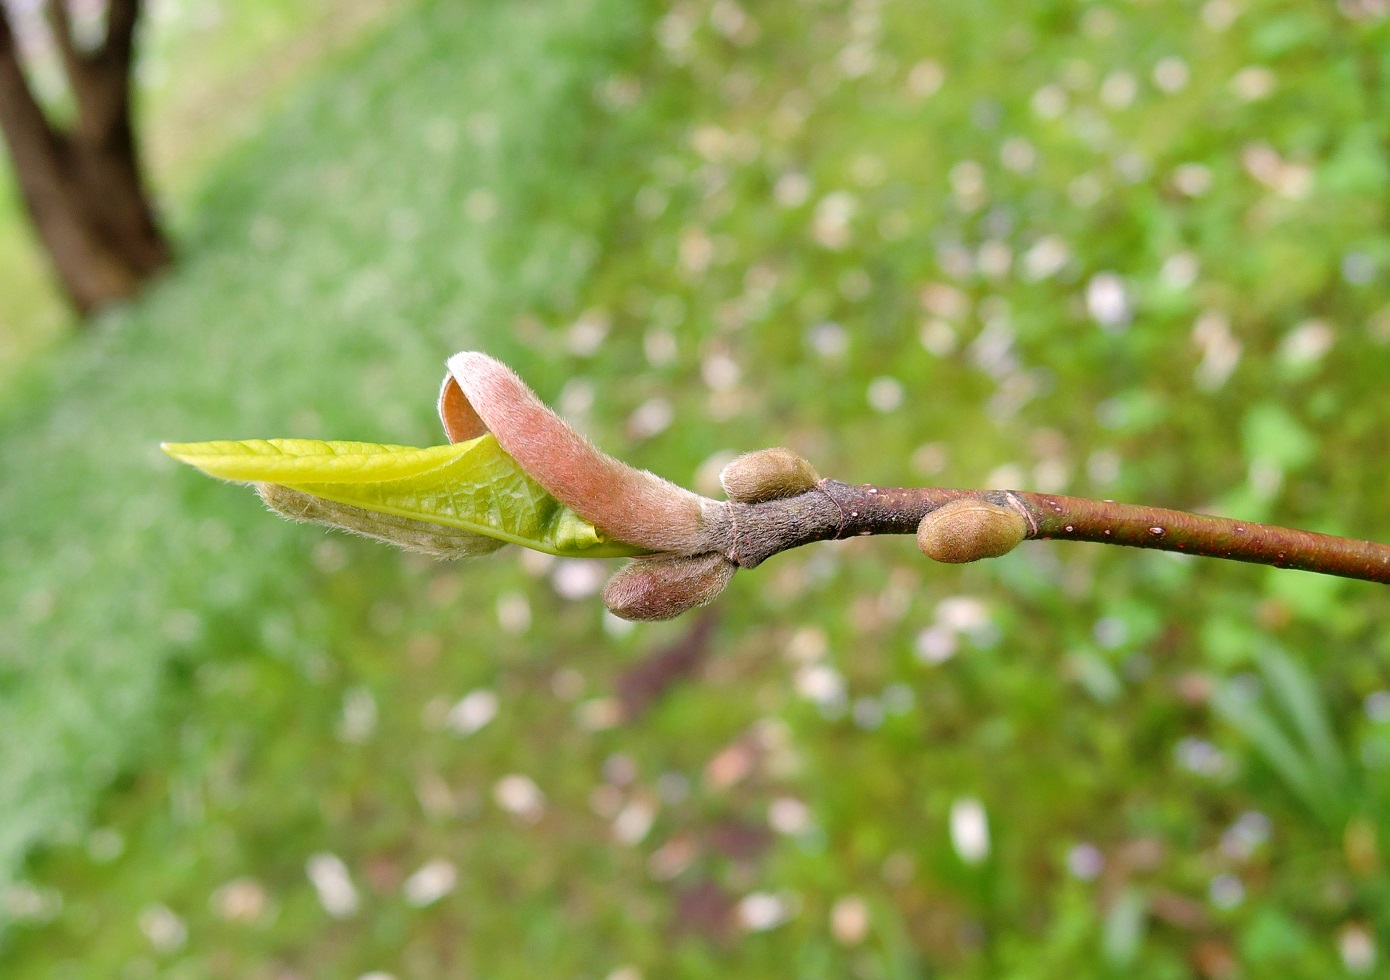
x,y
1104,521
842,510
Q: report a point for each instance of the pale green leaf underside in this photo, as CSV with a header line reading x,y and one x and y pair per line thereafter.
x,y
472,485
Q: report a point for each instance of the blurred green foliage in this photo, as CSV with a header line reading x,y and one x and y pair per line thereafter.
x,y
1133,251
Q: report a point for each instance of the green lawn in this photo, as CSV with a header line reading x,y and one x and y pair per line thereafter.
x,y
1135,252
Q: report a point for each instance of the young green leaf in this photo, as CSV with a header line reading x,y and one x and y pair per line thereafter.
x,y
473,486
421,537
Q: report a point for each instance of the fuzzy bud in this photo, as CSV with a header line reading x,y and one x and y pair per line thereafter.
x,y
767,474
664,586
968,530
625,503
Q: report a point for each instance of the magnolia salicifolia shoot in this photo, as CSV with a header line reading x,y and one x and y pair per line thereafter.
x,y
514,472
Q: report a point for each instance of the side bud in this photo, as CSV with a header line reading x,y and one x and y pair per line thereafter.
x,y
664,586
767,474
968,530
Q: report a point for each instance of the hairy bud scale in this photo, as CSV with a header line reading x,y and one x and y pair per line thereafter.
x,y
968,530
767,474
664,586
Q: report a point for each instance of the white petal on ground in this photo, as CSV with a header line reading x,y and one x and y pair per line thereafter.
x,y
520,796
761,911
432,882
849,920
330,878
473,711
165,930
970,830
1108,302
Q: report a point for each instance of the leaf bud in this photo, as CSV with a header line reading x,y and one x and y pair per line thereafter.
x,y
767,474
664,586
968,530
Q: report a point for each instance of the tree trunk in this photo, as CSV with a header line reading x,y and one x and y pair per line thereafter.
x,y
83,186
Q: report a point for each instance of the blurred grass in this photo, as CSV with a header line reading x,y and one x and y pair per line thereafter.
x,y
796,224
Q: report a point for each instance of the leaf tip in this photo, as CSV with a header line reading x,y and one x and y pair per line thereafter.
x,y
181,451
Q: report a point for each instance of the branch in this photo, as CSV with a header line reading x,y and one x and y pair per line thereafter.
x,y
776,501
76,63
27,130
99,79
118,47
840,510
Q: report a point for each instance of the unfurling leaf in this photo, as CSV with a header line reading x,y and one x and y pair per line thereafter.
x,y
422,537
471,487
633,504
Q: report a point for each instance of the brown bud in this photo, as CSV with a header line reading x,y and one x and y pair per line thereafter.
x,y
767,474
664,586
968,530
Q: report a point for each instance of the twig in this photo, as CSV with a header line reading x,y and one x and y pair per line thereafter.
x,y
777,501
841,510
